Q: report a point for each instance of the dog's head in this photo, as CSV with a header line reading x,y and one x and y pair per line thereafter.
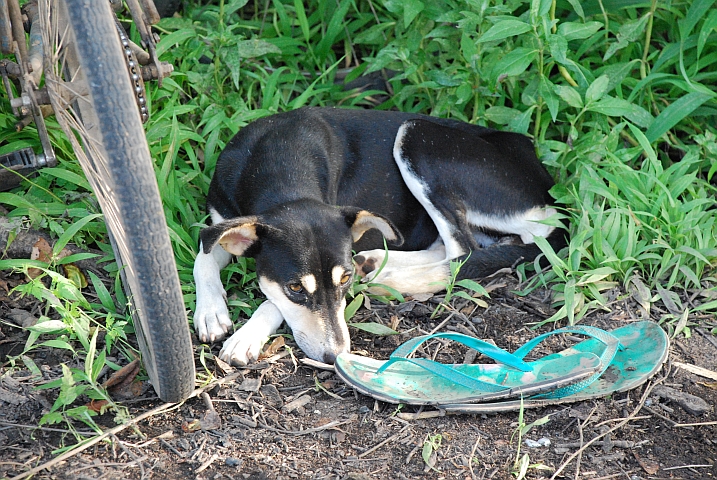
x,y
303,264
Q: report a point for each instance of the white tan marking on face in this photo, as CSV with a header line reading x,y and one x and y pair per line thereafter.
x,y
336,274
309,283
313,331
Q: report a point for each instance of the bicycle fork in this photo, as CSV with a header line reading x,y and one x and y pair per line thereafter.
x,y
17,165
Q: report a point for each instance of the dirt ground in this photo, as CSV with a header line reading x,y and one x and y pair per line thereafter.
x,y
281,419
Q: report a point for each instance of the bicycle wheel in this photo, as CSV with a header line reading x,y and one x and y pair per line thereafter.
x,y
93,96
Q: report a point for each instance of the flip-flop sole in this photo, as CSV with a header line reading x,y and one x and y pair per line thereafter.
x,y
645,348
411,384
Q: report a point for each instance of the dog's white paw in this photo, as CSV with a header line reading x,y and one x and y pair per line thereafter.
x,y
368,262
245,345
211,317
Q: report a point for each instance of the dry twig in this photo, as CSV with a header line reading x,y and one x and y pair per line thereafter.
x,y
389,439
624,422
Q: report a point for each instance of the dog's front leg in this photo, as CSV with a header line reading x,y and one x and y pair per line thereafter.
x,y
211,317
245,345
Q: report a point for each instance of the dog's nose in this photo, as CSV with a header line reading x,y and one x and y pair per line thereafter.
x,y
329,357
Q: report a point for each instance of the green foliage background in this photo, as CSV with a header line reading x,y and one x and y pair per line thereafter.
x,y
620,98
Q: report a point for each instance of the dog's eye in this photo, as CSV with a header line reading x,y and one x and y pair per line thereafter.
x,y
345,279
296,287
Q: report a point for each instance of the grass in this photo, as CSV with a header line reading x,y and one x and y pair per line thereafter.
x,y
620,102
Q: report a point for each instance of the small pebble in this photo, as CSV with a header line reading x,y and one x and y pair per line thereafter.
x,y
543,442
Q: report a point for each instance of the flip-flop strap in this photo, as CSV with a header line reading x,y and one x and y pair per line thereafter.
x,y
485,348
611,342
604,337
452,375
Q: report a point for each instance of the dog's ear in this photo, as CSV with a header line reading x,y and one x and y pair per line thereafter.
x,y
360,221
235,235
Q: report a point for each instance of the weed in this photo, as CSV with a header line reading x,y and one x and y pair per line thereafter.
x,y
76,332
429,452
521,465
468,284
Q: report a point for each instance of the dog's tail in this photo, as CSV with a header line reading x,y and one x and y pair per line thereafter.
x,y
486,261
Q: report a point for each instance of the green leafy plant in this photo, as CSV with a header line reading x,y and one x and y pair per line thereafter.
x,y
431,444
468,284
360,292
76,332
521,465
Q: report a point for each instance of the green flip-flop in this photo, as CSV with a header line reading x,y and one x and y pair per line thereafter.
x,y
644,348
419,381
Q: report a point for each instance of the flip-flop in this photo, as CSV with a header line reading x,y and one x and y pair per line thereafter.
x,y
419,381
645,346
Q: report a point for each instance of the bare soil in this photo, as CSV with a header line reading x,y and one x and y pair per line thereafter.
x,y
281,419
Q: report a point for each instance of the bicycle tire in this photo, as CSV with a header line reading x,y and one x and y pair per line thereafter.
x,y
116,160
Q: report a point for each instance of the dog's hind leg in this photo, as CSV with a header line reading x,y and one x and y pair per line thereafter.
x,y
471,180
370,260
211,317
422,271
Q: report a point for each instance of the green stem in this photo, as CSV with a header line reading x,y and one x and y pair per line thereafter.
x,y
607,20
648,37
563,71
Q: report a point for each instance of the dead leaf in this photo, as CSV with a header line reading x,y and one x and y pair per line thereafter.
x,y
650,466
41,251
123,384
366,302
395,321
322,421
12,397
272,396
495,286
223,366
670,299
295,404
273,348
21,318
250,385
130,370
641,294
422,297
98,405
192,426
210,421
329,384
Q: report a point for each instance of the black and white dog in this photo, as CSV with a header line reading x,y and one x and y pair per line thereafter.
x,y
299,190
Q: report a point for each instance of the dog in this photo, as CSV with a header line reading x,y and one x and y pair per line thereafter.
x,y
298,191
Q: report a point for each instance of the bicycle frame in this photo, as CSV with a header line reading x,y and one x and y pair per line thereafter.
x,y
33,102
